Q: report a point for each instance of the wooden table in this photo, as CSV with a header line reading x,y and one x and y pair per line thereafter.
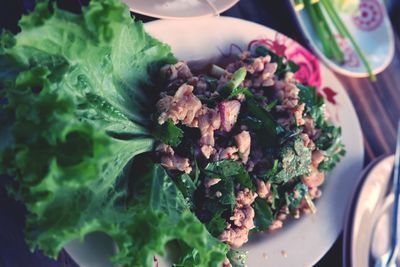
x,y
377,105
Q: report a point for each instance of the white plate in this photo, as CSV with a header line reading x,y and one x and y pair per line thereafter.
x,y
371,29
178,9
371,209
305,241
366,198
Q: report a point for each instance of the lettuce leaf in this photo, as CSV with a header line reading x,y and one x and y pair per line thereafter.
x,y
164,205
78,98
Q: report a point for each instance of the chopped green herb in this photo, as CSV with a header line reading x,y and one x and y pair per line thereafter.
x,y
227,189
275,196
295,161
240,90
329,140
237,78
237,258
272,172
168,133
187,187
271,105
263,214
262,123
232,169
293,200
217,224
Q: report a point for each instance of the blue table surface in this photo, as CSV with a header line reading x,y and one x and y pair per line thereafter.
x,y
272,13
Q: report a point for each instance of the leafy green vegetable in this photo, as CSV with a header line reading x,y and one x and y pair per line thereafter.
x,y
276,199
182,255
211,82
333,154
240,90
243,178
295,161
228,171
261,122
168,133
222,168
292,66
169,209
217,224
229,168
263,214
228,198
330,143
264,116
237,258
271,105
271,172
186,186
330,138
308,95
237,78
294,200
79,95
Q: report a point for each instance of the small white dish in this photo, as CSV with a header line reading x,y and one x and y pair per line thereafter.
x,y
179,9
372,30
348,223
366,230
301,242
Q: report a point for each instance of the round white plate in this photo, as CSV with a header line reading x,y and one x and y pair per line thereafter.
x,y
371,29
367,229
367,196
179,9
302,242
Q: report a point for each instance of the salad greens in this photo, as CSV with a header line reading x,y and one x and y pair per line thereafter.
x,y
77,89
295,161
168,133
264,216
329,141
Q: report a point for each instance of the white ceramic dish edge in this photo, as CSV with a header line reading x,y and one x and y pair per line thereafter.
x,y
348,222
336,67
212,13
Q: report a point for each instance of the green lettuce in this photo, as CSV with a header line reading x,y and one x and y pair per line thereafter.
x,y
77,94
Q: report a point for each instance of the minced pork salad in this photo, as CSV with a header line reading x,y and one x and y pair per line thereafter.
x,y
248,145
104,130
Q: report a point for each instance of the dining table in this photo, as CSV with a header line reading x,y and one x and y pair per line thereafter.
x,y
377,105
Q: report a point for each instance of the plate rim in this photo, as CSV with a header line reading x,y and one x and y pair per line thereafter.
x,y
211,14
350,212
348,249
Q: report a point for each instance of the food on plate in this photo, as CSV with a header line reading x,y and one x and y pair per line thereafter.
x,y
105,130
250,144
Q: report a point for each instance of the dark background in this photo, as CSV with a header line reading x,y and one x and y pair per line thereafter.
x,y
382,99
